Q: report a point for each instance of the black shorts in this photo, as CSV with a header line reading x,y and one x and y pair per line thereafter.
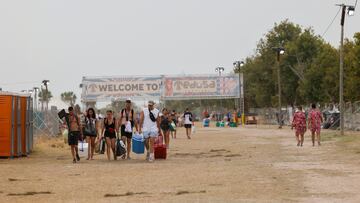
x,y
188,125
110,135
73,138
125,134
90,135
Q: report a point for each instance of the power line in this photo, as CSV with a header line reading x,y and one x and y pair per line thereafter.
x,y
332,22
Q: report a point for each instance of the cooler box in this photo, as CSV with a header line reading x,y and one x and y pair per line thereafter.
x,y
83,149
222,124
218,124
206,122
138,146
160,151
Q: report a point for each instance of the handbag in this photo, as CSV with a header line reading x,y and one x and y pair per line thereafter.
x,y
128,127
152,117
89,128
120,148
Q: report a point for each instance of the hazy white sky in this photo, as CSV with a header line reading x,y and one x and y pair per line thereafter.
x,y
64,40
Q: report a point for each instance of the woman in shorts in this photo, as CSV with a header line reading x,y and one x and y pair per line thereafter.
x,y
109,131
299,123
90,131
165,126
173,124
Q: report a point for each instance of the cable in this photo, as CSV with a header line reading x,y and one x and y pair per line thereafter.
x,y
355,4
332,22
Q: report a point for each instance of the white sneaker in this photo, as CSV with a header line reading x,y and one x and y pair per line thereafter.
x,y
151,158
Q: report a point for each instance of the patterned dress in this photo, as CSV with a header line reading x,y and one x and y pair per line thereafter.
x,y
299,122
315,121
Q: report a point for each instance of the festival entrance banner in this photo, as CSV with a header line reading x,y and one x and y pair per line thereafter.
x,y
201,87
107,88
160,87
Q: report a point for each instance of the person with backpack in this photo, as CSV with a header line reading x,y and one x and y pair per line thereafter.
x,y
90,131
75,133
109,131
149,126
315,120
126,122
188,121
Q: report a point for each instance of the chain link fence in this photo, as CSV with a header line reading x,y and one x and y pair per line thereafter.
x,y
331,115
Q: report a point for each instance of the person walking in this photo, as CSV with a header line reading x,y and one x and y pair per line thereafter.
x,y
75,133
299,123
126,122
90,131
165,126
315,120
173,124
149,126
188,121
109,131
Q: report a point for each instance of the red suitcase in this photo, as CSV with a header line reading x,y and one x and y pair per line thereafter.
x,y
160,151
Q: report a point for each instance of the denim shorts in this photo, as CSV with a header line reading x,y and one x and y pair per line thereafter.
x,y
150,134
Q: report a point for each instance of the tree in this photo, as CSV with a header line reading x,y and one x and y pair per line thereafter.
x,y
44,97
69,98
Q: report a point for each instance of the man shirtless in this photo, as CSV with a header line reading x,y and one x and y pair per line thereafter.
x,y
75,131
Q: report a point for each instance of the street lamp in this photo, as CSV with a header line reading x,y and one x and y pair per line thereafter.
x,y
219,70
237,66
36,90
279,51
46,83
351,10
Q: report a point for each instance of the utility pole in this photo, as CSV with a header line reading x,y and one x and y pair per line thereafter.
x,y
279,51
351,10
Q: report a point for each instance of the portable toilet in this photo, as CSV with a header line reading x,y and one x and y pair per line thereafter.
x,y
8,125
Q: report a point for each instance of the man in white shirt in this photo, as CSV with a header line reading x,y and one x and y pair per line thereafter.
x,y
149,126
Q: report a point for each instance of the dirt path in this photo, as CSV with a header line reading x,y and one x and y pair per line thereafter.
x,y
217,165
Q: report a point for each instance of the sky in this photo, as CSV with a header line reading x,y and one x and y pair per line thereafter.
x,y
64,40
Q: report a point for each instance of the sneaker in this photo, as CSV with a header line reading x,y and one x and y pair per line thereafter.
x,y
147,156
77,157
128,158
151,158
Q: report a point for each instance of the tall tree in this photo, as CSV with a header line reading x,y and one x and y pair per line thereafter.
x,y
44,97
69,98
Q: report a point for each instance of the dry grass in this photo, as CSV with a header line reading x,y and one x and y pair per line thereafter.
x,y
253,164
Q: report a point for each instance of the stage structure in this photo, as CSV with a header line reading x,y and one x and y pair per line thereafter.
x,y
161,87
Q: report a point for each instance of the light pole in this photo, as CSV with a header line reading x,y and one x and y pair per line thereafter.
x,y
36,90
220,70
351,10
237,66
279,51
46,83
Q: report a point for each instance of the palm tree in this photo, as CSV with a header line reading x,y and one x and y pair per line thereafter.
x,y
69,98
44,97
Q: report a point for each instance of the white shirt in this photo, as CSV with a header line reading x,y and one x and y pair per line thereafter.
x,y
148,124
187,117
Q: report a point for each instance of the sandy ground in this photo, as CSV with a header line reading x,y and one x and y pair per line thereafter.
x,y
252,164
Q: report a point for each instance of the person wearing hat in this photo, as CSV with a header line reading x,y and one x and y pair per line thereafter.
x,y
150,127
126,122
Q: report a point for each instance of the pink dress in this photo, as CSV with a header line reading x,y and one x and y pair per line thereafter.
x,y
315,121
299,122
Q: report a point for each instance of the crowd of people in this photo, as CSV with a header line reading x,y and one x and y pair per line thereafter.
x,y
150,123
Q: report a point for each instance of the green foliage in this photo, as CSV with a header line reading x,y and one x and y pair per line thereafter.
x,y
69,98
309,69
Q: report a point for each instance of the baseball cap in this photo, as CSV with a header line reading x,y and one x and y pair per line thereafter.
x,y
128,100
